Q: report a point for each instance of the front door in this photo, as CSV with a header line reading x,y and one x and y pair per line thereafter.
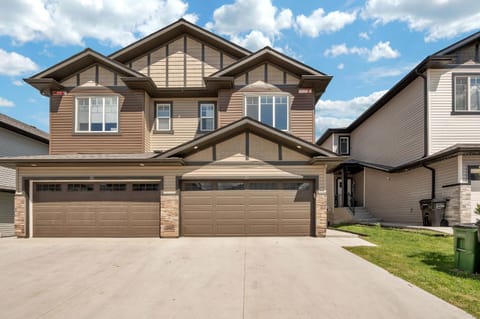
x,y
344,196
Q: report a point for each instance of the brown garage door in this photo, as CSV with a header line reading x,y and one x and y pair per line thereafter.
x,y
254,208
112,209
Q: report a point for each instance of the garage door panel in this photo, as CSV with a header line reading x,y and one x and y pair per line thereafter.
x,y
96,213
248,212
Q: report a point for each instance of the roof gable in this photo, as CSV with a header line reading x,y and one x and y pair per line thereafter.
x,y
173,31
252,126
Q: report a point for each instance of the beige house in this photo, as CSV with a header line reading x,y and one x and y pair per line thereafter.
x,y
16,139
181,133
421,140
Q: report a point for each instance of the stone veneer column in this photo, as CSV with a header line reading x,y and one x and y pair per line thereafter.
x,y
466,210
20,215
169,214
321,214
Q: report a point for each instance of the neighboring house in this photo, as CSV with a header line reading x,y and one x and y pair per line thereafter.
x,y
16,138
181,133
421,140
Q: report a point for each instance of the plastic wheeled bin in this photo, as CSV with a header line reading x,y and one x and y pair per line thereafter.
x,y
466,247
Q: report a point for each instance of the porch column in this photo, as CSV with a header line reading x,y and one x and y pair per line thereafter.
x,y
20,209
321,213
344,187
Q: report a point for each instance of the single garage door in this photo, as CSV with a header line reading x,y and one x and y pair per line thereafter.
x,y
253,208
113,209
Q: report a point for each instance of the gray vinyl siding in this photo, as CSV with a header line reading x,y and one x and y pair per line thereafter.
x,y
329,143
447,129
394,134
7,227
7,178
446,175
468,161
395,197
13,144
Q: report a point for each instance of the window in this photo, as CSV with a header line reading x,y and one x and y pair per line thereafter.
x,y
49,187
80,187
197,186
145,187
97,114
207,116
113,187
262,185
467,93
344,145
296,186
163,116
268,109
227,186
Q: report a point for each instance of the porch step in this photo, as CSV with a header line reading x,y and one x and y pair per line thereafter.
x,y
362,215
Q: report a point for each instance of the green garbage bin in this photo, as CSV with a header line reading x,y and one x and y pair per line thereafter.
x,y
466,248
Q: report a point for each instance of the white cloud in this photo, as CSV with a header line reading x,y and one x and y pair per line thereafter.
x,y
71,22
341,66
254,41
439,19
386,72
381,50
364,35
14,64
18,83
6,103
340,113
319,22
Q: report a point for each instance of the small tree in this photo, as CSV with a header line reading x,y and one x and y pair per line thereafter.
x,y
477,209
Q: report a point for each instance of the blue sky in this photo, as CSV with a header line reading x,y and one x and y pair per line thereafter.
x,y
366,45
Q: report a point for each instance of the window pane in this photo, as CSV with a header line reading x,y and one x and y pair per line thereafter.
x,y
111,114
163,110
266,110
82,115
343,145
96,114
475,93
263,185
460,93
207,124
207,110
163,124
197,186
230,186
281,113
252,107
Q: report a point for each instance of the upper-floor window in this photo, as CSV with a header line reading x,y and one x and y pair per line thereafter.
x,y
163,116
207,116
467,93
96,114
269,109
344,145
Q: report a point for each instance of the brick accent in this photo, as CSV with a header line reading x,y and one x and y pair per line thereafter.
x,y
321,214
169,215
458,208
20,215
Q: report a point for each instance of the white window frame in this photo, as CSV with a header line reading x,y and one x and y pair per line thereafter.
x,y
340,138
201,105
259,117
169,117
468,76
77,124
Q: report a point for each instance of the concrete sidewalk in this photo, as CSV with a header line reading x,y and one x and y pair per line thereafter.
x,y
265,277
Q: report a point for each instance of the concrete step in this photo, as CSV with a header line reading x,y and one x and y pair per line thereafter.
x,y
362,215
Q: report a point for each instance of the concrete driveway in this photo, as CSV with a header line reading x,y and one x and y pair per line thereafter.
x,y
202,278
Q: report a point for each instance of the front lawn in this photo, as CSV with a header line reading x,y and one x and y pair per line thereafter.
x,y
424,258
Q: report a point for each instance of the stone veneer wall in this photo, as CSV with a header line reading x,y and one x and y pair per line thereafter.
x,y
169,215
321,214
458,208
20,215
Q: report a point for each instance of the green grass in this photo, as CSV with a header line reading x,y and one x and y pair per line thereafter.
x,y
424,258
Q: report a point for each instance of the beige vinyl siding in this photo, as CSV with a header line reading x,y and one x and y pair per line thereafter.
x,y
231,104
240,80
205,155
87,77
395,197
292,79
141,65
176,63
105,77
129,139
212,60
263,149
328,144
446,174
447,129
70,82
275,75
227,60
169,174
257,74
293,156
148,120
232,149
185,123
194,63
158,67
394,134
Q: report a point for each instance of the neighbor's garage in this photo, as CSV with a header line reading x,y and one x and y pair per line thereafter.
x,y
92,209
247,208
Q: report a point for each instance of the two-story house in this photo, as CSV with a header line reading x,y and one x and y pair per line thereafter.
x,y
421,140
181,133
16,139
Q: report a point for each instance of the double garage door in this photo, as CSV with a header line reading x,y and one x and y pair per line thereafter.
x,y
246,208
208,208
110,209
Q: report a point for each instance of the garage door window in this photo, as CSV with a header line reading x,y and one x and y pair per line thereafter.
x,y
197,186
80,187
113,187
49,187
227,186
145,187
262,186
296,186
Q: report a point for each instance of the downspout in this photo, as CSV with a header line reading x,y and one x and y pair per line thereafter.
x,y
425,127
